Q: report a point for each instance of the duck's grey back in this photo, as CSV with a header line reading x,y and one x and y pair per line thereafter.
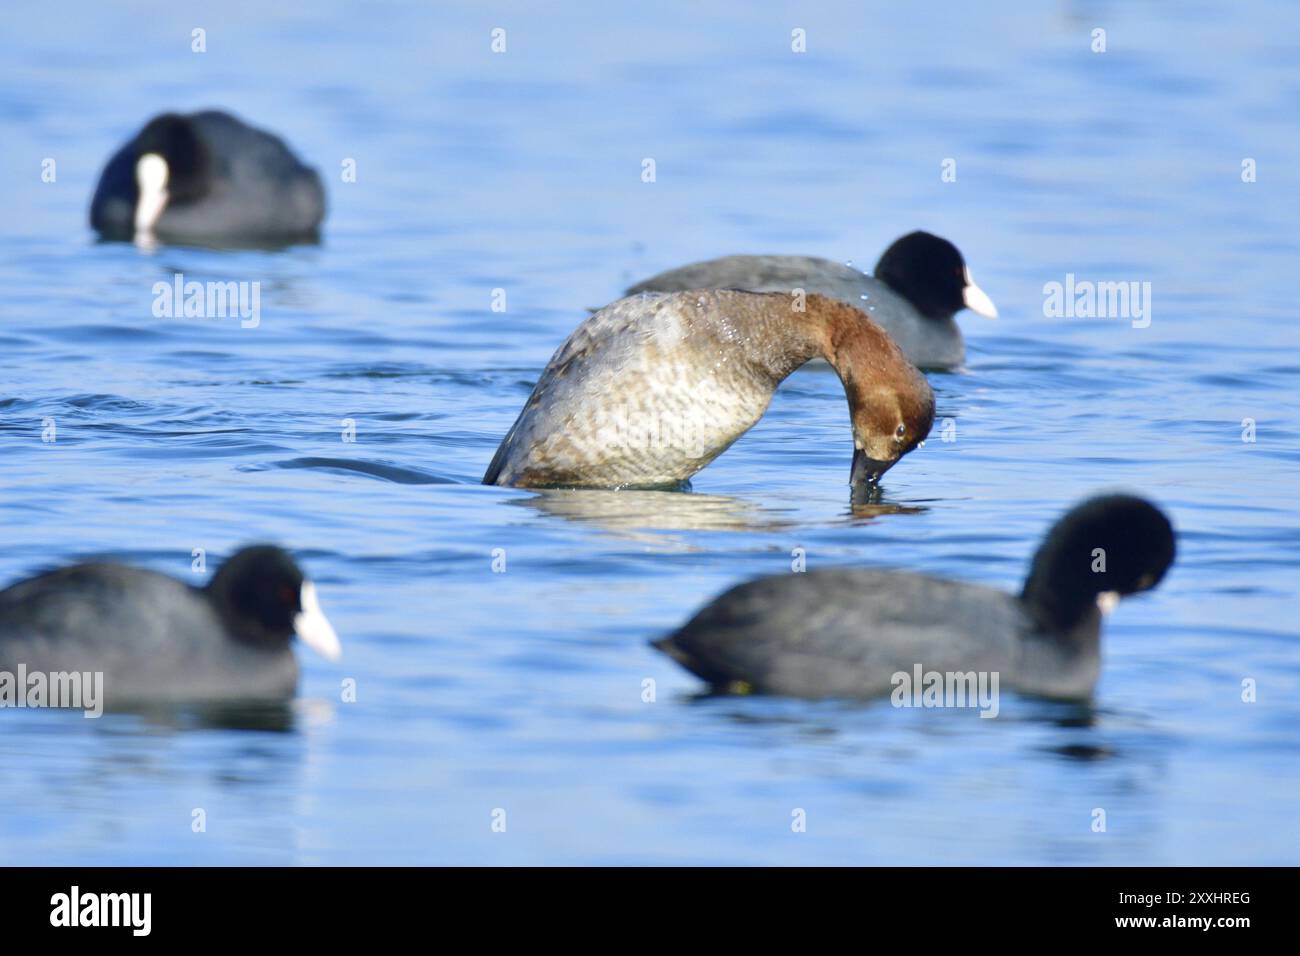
x,y
153,637
847,632
928,343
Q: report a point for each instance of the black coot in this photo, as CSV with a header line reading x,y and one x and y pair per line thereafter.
x,y
155,638
209,178
920,283
847,632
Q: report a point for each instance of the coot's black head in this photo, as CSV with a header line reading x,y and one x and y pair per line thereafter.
x,y
1105,548
173,138
263,599
930,273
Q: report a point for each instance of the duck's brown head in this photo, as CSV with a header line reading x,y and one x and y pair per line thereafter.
x,y
887,424
891,405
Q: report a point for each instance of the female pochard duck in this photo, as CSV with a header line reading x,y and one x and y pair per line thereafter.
x,y
650,389
920,283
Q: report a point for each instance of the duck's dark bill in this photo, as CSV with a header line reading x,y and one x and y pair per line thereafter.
x,y
866,470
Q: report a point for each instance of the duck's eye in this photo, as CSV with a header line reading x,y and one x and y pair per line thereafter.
x,y
901,431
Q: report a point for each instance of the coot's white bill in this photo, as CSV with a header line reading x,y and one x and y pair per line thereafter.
x,y
977,300
1107,601
151,177
313,628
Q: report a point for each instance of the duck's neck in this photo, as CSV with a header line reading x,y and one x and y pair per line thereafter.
x,y
790,331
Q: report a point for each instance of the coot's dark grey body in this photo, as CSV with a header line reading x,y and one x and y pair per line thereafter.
x,y
920,284
152,636
846,632
229,182
849,632
155,638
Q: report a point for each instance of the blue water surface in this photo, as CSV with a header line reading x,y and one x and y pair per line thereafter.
x,y
534,691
